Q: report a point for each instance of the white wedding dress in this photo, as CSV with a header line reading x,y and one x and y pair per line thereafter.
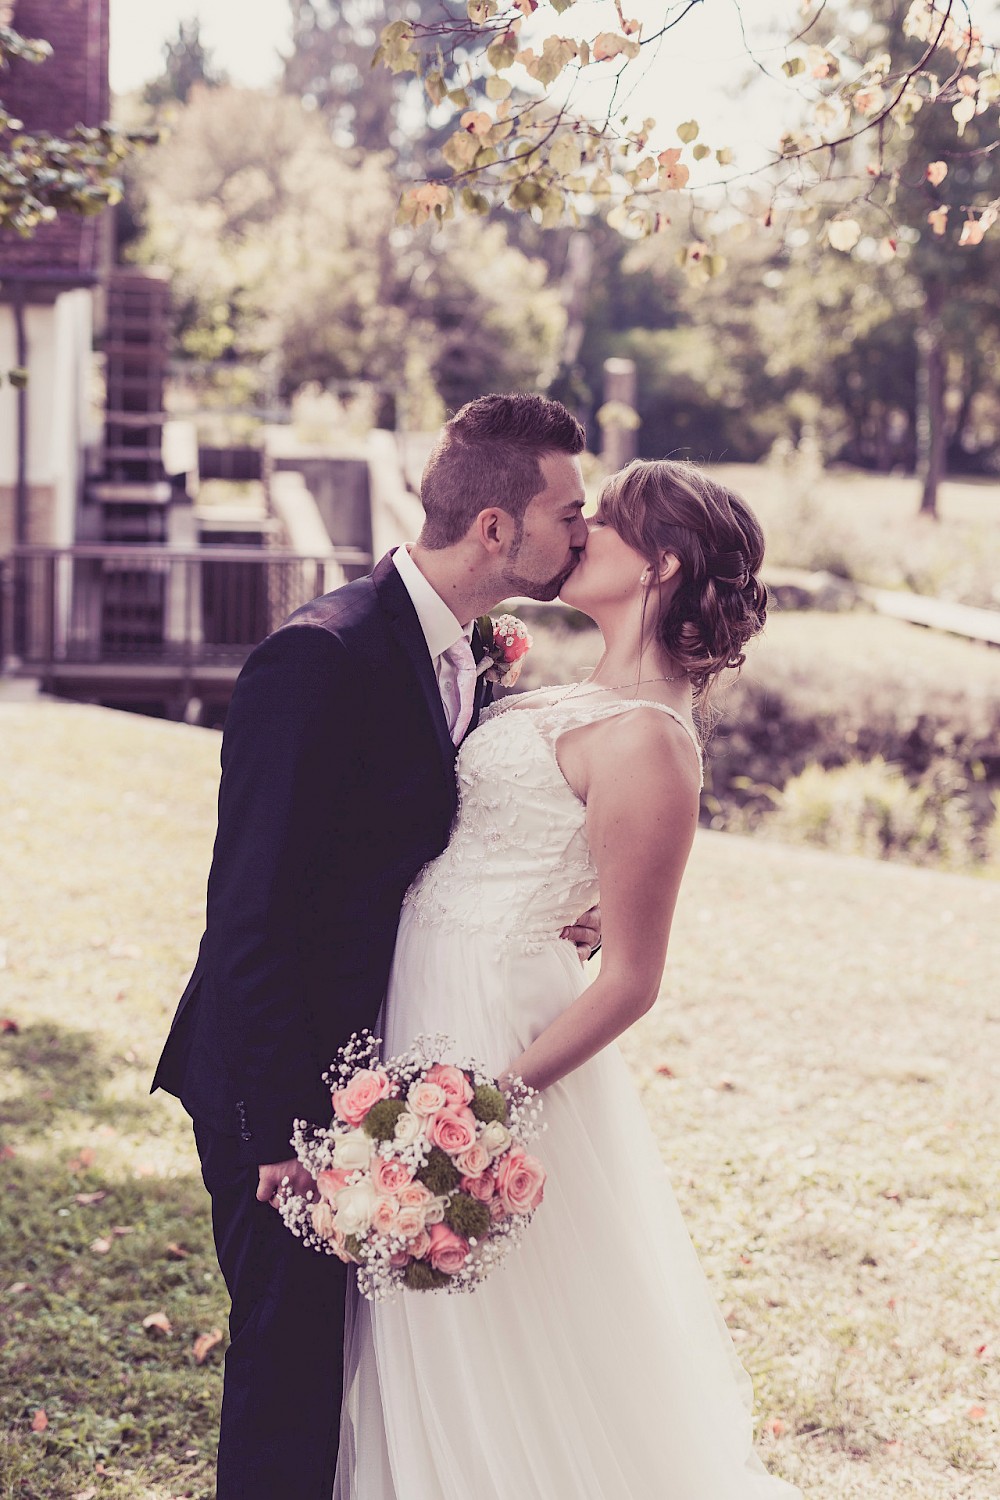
x,y
594,1363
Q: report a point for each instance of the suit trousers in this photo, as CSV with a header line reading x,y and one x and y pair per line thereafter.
x,y
284,1366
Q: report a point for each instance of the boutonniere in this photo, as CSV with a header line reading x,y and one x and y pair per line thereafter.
x,y
507,643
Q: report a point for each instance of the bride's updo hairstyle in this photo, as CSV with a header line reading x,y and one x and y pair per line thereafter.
x,y
660,505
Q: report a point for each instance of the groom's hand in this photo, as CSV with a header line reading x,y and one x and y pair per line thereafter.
x,y
585,933
279,1179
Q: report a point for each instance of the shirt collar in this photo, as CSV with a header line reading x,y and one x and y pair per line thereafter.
x,y
440,627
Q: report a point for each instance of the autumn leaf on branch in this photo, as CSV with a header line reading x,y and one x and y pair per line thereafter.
x,y
521,140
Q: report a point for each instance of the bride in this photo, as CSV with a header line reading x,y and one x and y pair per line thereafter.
x,y
594,1364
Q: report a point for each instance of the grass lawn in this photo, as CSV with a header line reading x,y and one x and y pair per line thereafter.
x,y
865,526
823,1073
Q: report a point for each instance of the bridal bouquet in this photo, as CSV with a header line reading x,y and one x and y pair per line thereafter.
x,y
423,1178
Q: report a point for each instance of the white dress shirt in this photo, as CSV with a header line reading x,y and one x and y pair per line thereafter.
x,y
441,631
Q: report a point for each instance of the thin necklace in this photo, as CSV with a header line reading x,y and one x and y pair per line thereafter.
x,y
600,687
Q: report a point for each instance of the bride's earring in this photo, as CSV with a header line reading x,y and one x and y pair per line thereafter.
x,y
644,577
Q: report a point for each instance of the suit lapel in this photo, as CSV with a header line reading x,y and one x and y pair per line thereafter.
x,y
484,689
397,606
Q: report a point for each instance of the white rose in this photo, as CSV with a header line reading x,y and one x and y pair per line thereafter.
x,y
352,1151
355,1206
495,1137
410,1221
434,1212
408,1129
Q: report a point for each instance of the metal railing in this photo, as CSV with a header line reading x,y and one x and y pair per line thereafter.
x,y
108,605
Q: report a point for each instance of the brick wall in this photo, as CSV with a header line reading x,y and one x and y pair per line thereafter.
x,y
71,87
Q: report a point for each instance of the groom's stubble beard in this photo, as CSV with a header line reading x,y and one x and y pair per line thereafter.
x,y
519,585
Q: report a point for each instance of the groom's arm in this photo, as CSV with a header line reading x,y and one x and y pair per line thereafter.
x,y
286,762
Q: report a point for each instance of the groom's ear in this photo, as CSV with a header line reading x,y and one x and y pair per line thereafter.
x,y
493,529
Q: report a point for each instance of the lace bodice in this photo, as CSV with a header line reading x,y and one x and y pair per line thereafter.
x,y
518,867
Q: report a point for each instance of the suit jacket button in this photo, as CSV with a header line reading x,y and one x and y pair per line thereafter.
x,y
245,1135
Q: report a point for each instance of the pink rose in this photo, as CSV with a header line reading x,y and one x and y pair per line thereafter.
x,y
457,1088
474,1161
400,1259
510,638
482,1187
414,1195
454,1130
497,1210
426,1098
331,1181
520,1182
420,1245
366,1087
384,1215
390,1176
447,1249
411,1221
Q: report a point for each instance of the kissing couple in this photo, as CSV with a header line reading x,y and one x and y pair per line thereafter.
x,y
397,852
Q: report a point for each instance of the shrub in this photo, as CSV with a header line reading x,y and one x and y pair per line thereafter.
x,y
869,807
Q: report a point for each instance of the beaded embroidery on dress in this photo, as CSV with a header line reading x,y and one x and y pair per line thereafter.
x,y
606,1374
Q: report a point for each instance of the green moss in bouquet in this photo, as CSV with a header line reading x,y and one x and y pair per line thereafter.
x,y
380,1121
489,1104
439,1172
420,1277
466,1216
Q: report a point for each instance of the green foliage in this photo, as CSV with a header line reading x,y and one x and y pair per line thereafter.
x,y
421,1277
380,1121
488,1104
187,63
439,1172
870,808
282,248
467,1216
848,88
42,175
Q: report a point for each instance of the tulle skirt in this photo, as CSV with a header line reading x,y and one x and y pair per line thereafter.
x,y
594,1363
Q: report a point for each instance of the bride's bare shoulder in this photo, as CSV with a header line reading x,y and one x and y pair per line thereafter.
x,y
646,739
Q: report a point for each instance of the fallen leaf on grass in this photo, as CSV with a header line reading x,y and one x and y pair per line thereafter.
x,y
158,1322
86,1200
977,1413
777,1427
16,1287
7,1153
85,1158
39,1421
86,1494
177,1252
9,1025
665,1070
119,1229
204,1344
100,1246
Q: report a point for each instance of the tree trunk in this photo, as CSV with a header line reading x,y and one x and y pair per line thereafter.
x,y
931,435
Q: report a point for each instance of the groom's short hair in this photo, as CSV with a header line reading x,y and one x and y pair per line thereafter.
x,y
488,454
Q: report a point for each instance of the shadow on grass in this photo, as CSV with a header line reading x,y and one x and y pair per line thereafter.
x,y
77,1280
50,1068
85,1258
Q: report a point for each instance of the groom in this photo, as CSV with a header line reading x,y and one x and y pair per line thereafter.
x,y
338,784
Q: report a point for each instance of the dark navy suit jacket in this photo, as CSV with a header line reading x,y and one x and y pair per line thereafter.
x,y
338,784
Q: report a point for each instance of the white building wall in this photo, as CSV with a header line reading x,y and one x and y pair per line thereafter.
x,y
59,339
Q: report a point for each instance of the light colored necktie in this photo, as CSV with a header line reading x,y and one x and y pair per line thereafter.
x,y
461,658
